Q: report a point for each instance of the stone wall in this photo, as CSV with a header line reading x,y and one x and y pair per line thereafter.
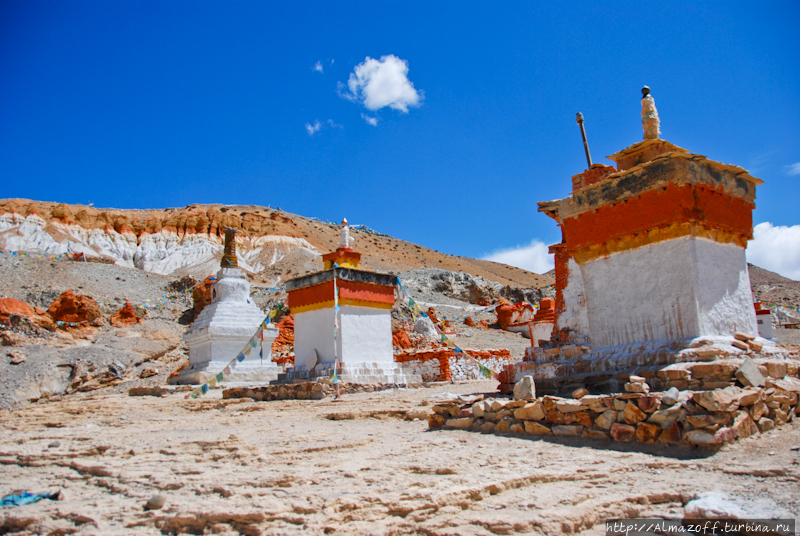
x,y
694,418
441,364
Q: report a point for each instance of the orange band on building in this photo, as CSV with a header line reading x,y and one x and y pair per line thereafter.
x,y
353,293
659,215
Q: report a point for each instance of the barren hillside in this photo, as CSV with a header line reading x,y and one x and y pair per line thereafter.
x,y
273,245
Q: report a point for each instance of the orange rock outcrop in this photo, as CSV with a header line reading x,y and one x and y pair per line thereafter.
x,y
10,307
284,342
71,307
201,295
400,339
125,317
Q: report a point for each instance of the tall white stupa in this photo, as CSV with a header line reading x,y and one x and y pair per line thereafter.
x,y
225,326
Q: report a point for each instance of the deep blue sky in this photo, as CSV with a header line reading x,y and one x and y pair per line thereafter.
x,y
158,104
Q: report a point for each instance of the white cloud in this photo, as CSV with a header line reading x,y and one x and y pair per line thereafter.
x,y
318,67
380,83
317,126
313,129
776,248
533,257
793,169
370,120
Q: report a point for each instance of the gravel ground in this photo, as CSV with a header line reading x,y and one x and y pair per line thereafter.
x,y
786,336
238,467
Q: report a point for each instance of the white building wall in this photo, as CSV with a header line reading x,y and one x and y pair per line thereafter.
x,y
366,335
645,294
724,296
313,330
575,316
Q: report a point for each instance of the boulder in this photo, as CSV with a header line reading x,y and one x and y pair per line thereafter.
x,y
125,317
71,307
532,427
530,412
700,438
720,399
10,307
633,415
525,389
622,432
743,424
606,419
671,396
424,326
580,393
647,433
469,322
749,375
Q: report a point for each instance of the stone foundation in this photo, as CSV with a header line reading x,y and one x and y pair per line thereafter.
x,y
305,390
355,373
707,363
441,364
698,418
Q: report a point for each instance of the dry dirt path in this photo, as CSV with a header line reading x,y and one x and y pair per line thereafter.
x,y
242,467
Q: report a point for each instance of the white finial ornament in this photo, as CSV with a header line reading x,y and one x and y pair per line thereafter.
x,y
344,235
650,122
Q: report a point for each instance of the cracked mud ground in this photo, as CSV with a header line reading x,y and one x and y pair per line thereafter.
x,y
241,467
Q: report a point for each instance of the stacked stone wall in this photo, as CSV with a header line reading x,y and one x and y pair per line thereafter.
x,y
696,418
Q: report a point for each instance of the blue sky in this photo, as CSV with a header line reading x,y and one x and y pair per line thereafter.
x,y
167,103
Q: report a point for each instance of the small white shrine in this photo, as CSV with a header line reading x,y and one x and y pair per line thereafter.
x,y
225,326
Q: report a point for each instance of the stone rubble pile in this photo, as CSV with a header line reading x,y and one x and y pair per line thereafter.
x,y
697,418
442,363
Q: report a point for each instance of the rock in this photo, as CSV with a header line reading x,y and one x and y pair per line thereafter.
x,y
567,430
648,403
525,389
125,317
749,375
671,396
530,412
435,421
740,345
716,505
704,421
496,405
532,427
701,438
637,379
757,410
606,419
756,346
726,435
425,327
580,393
460,423
468,321
569,406
517,428
582,417
622,432
633,415
16,356
156,502
719,399
10,307
9,338
647,433
743,424
478,409
671,434
765,424
750,397
54,444
637,388
595,434
487,427
554,417
71,307
744,337
148,372
504,425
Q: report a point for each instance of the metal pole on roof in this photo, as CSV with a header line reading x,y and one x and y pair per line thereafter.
x,y
579,118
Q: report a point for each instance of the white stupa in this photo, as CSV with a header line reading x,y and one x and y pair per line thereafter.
x,y
225,326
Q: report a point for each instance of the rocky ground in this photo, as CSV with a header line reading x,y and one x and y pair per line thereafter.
x,y
364,465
